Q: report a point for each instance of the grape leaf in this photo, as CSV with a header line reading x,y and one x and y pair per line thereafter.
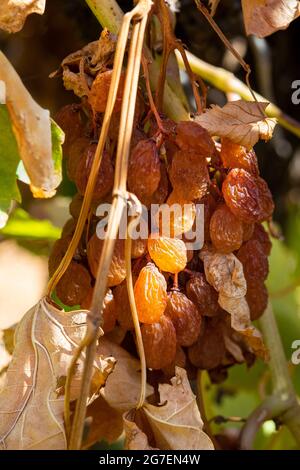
x,y
175,423
22,226
225,273
264,17
13,13
38,139
9,160
45,341
241,121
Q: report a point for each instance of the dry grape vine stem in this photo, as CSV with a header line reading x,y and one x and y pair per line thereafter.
x,y
283,402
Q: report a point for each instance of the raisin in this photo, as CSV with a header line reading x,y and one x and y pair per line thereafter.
x,y
150,291
144,170
209,350
247,196
185,318
257,298
68,228
123,310
178,361
138,248
117,270
74,284
254,260
76,153
57,253
237,156
248,230
75,205
159,341
69,119
176,216
99,92
203,295
169,254
109,309
190,136
262,236
160,195
210,205
226,231
105,177
189,175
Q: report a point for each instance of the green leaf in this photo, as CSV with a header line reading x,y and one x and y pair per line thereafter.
x,y
22,226
57,137
9,160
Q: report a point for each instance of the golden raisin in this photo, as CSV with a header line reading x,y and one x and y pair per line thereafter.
x,y
237,156
150,292
190,136
169,254
99,92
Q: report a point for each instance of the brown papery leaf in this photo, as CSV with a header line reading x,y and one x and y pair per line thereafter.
x,y
105,423
122,388
264,17
176,423
32,129
225,273
13,13
135,438
31,402
241,121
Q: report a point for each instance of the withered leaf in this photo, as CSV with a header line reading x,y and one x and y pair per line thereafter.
x,y
135,438
13,13
123,385
105,423
31,401
241,121
225,273
176,423
264,17
32,129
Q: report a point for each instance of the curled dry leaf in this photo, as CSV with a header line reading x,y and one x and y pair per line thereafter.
x,y
122,388
225,273
135,438
13,13
264,17
176,423
45,341
242,122
32,129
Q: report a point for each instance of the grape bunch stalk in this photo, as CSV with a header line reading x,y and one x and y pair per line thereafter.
x,y
181,320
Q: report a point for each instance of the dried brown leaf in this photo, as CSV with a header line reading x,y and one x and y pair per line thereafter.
x,y
45,341
13,13
135,438
32,129
105,423
241,121
122,388
176,423
264,17
225,273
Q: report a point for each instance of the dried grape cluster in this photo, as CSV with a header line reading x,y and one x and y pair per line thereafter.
x,y
181,319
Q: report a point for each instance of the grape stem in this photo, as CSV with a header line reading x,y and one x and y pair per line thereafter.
x,y
283,403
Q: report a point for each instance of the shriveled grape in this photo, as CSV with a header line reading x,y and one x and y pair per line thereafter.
x,y
203,295
76,153
190,136
226,231
99,92
117,270
150,292
254,260
209,350
74,284
109,311
70,120
185,318
247,196
144,170
262,236
189,175
159,341
237,156
257,298
123,310
169,254
105,177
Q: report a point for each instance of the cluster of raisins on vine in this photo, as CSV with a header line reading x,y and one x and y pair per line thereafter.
x,y
181,320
